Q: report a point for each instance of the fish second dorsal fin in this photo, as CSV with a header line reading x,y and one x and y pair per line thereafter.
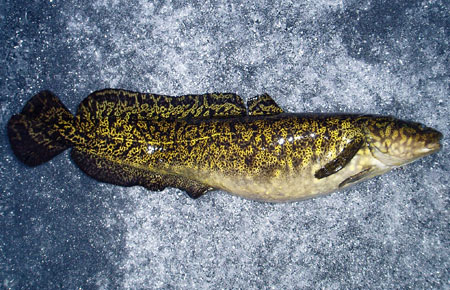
x,y
143,106
263,105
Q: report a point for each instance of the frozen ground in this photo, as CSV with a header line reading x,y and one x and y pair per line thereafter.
x,y
61,229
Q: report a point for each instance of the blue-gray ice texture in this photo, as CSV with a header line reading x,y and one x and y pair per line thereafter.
x,y
62,229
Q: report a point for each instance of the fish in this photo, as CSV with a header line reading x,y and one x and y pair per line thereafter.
x,y
213,141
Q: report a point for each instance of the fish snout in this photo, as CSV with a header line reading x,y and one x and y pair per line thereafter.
x,y
433,139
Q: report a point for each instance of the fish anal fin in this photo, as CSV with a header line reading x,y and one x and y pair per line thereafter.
x,y
193,188
263,105
108,171
365,173
341,160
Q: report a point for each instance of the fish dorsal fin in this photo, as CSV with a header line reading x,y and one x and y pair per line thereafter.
x,y
143,106
263,105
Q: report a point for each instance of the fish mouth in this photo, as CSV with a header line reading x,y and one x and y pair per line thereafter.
x,y
435,144
434,147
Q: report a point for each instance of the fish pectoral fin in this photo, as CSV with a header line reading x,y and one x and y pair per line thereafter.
x,y
341,160
357,177
263,105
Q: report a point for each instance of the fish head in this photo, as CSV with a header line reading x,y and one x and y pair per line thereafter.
x,y
396,142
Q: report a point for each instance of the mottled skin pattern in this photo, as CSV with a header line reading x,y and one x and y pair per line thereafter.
x,y
203,142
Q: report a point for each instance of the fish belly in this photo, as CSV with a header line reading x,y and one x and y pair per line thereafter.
x,y
293,187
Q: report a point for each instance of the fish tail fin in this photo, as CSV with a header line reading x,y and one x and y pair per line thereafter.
x,y
43,129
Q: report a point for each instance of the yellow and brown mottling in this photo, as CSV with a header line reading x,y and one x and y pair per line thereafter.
x,y
203,142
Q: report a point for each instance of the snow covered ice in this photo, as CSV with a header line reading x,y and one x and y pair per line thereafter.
x,y
62,229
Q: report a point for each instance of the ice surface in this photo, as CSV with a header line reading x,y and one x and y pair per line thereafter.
x,y
61,229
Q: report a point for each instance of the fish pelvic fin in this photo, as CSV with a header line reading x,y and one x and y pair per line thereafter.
x,y
42,130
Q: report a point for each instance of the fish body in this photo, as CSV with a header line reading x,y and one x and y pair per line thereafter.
x,y
213,141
